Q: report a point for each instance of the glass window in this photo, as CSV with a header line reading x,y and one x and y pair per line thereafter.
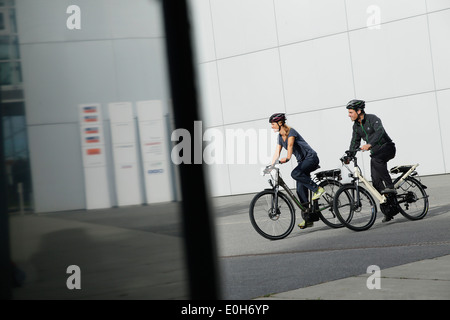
x,y
9,49
6,3
10,73
4,21
6,73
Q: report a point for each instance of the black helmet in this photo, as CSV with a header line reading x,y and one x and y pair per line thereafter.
x,y
356,105
277,117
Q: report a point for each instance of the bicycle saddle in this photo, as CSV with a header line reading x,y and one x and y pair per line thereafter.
x,y
328,173
400,169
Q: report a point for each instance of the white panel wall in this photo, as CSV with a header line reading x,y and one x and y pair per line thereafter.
x,y
392,61
245,172
439,23
308,19
434,5
443,100
320,129
210,99
415,131
314,76
359,12
203,35
309,58
250,86
243,26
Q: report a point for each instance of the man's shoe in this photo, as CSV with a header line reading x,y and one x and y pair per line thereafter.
x,y
387,218
304,224
318,193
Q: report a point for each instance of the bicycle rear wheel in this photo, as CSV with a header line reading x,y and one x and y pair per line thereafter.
x,y
412,199
355,207
272,222
325,203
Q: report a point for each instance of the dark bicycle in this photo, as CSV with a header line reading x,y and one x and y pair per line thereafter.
x,y
272,212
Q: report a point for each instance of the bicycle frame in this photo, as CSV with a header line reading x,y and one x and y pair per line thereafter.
x,y
280,182
290,193
357,175
405,175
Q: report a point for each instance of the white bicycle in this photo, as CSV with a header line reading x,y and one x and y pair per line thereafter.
x,y
355,207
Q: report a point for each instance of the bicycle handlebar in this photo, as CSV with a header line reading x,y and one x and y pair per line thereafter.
x,y
350,155
270,167
353,151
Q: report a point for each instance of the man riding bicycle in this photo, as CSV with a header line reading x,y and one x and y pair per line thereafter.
x,y
382,149
307,160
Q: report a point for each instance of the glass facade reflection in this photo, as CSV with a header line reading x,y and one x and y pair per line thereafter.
x,y
86,121
13,113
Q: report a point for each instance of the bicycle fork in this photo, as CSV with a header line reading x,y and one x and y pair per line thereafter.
x,y
356,197
274,202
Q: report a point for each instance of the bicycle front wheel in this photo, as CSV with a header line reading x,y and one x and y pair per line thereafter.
x,y
412,199
355,207
325,203
272,219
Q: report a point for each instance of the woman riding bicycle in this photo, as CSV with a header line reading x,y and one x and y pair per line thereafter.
x,y
307,160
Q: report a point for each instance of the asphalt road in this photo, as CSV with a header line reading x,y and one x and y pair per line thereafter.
x,y
252,266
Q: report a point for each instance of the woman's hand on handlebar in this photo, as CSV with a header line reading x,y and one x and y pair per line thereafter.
x,y
284,160
269,167
275,163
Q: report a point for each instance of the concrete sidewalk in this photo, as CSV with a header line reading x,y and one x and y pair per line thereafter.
x,y
422,280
